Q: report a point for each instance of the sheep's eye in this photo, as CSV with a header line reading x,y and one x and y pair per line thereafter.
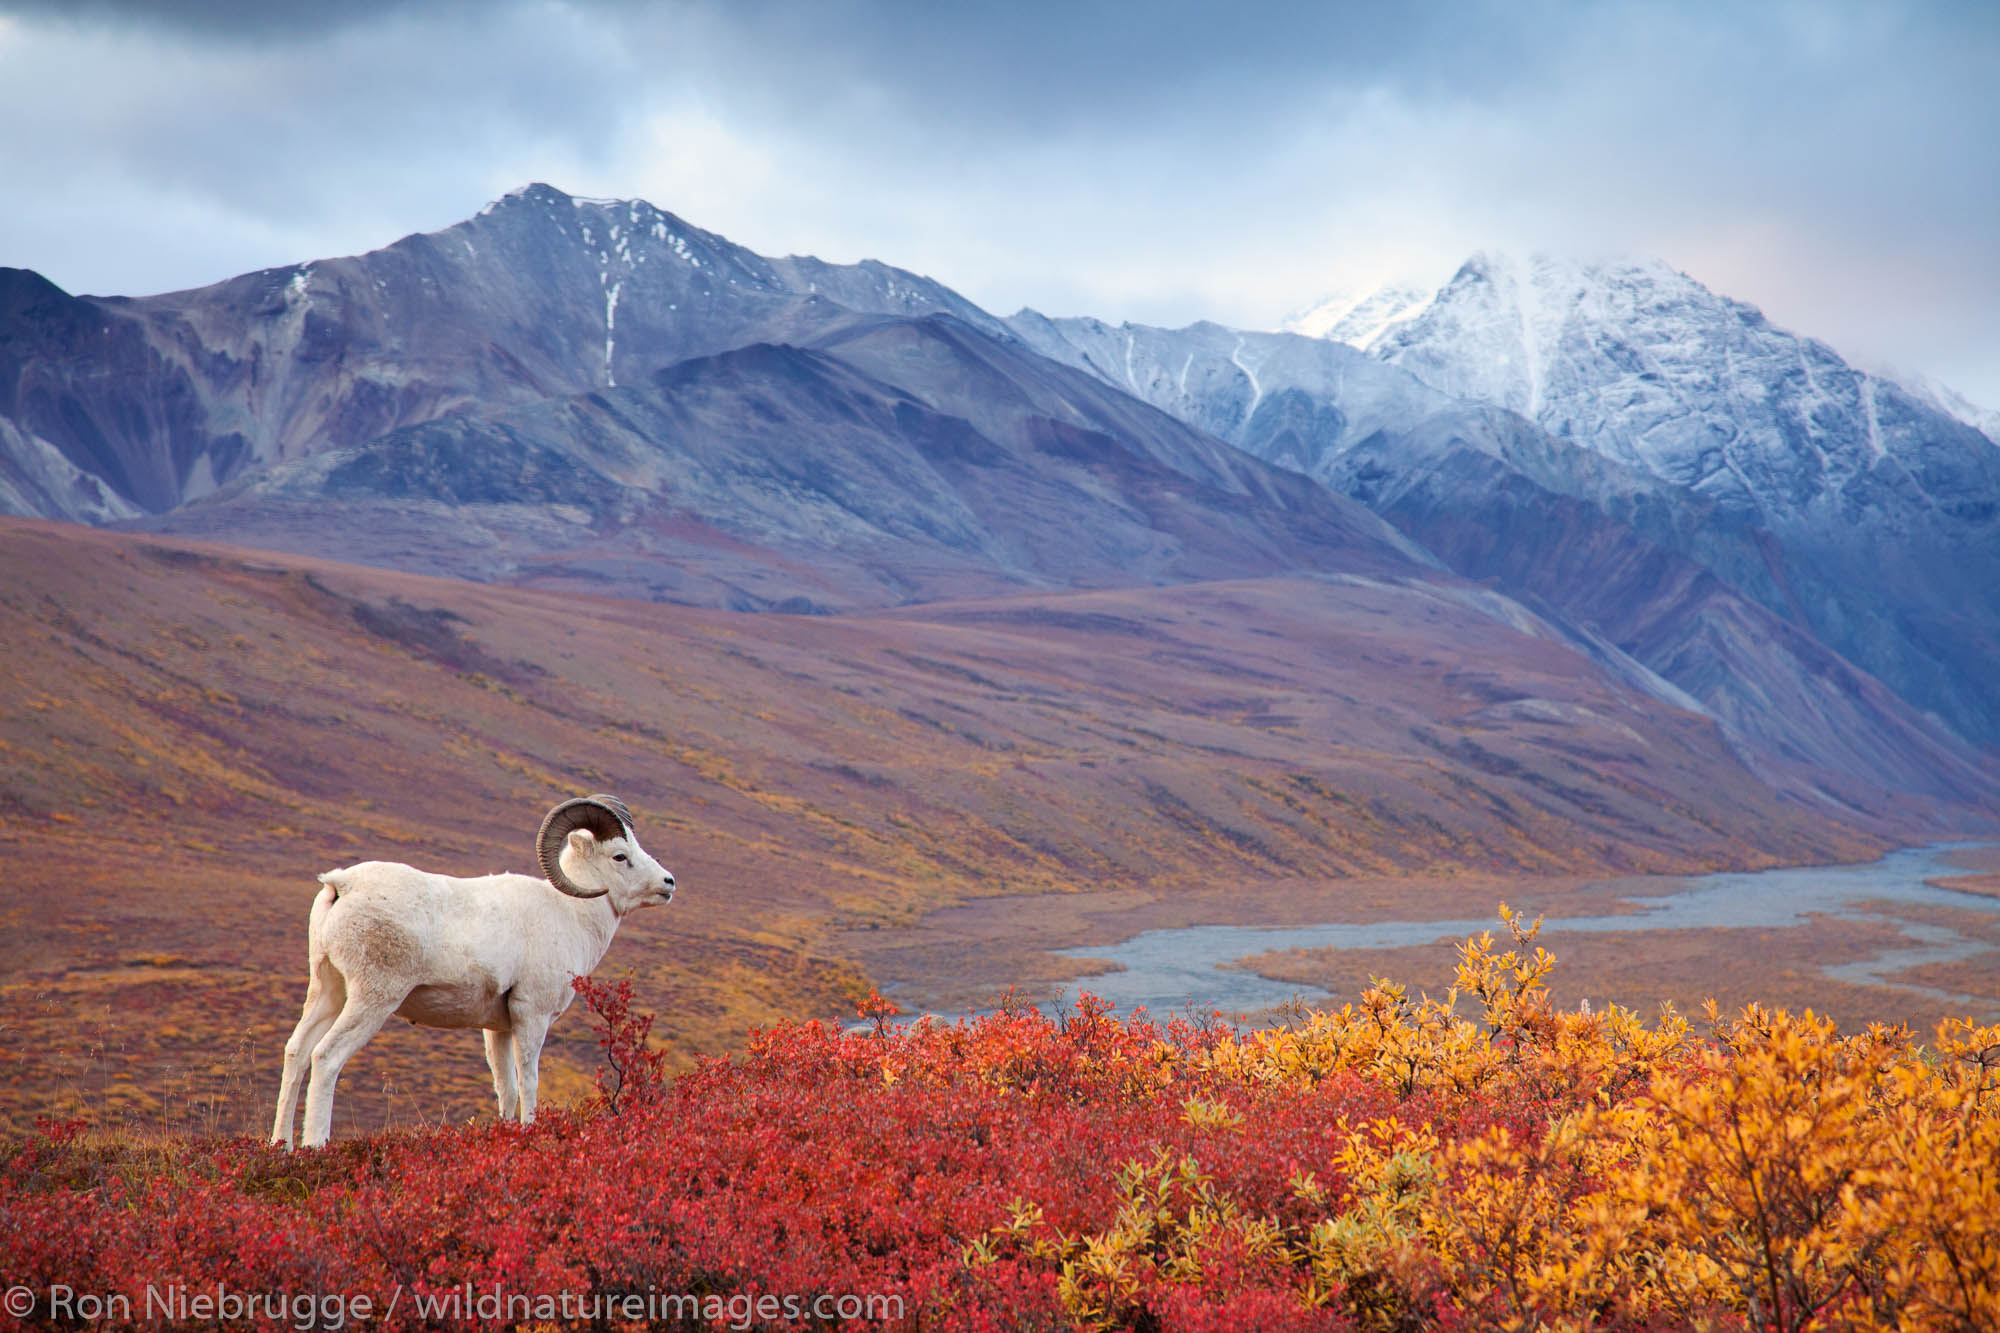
x,y
619,857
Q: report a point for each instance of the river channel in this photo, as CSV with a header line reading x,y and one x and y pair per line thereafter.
x,y
1170,971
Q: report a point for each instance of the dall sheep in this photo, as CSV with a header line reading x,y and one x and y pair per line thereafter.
x,y
497,952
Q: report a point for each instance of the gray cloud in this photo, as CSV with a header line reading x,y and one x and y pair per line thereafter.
x,y
1170,161
243,20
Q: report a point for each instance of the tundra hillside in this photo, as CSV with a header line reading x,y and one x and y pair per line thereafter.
x,y
196,732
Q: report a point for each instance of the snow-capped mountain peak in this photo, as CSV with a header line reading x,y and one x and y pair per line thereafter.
x,y
1501,329
1360,317
1641,363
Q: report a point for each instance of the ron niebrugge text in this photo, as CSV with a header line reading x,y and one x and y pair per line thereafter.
x,y
177,1304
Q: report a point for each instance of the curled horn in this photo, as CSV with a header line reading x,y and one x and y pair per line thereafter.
x,y
604,816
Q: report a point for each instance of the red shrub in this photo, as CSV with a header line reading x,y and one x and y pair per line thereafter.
x,y
1014,1172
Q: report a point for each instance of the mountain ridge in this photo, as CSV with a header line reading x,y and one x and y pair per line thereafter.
x,y
521,302
589,394
1440,466
900,497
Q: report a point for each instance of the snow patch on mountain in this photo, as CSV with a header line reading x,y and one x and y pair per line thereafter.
x,y
1288,399
1361,317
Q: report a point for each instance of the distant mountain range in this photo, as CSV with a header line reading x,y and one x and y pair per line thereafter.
x,y
585,394
1538,399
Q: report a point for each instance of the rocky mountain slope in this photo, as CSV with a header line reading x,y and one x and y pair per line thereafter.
x,y
166,398
1698,591
1884,506
890,460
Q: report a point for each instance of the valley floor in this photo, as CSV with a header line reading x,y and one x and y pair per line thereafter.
x,y
1840,962
936,794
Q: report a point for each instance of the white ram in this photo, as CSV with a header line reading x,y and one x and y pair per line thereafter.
x,y
497,952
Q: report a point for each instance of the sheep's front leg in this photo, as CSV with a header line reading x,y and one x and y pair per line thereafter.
x,y
530,1030
500,1059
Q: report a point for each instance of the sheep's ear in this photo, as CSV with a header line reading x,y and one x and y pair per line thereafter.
x,y
582,841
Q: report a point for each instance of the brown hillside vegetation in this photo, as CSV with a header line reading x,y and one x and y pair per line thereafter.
x,y
191,732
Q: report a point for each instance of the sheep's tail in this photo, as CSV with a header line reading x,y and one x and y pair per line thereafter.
x,y
322,904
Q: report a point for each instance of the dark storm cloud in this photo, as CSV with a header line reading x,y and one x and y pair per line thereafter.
x,y
219,18
1164,161
1019,54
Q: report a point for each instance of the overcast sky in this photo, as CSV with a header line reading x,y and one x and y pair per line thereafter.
x,y
1837,164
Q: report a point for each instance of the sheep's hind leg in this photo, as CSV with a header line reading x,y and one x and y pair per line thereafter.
x,y
325,994
500,1059
360,1018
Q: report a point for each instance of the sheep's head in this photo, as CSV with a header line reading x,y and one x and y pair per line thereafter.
x,y
588,849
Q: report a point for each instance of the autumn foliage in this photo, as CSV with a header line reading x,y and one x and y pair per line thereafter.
x,y
1473,1161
